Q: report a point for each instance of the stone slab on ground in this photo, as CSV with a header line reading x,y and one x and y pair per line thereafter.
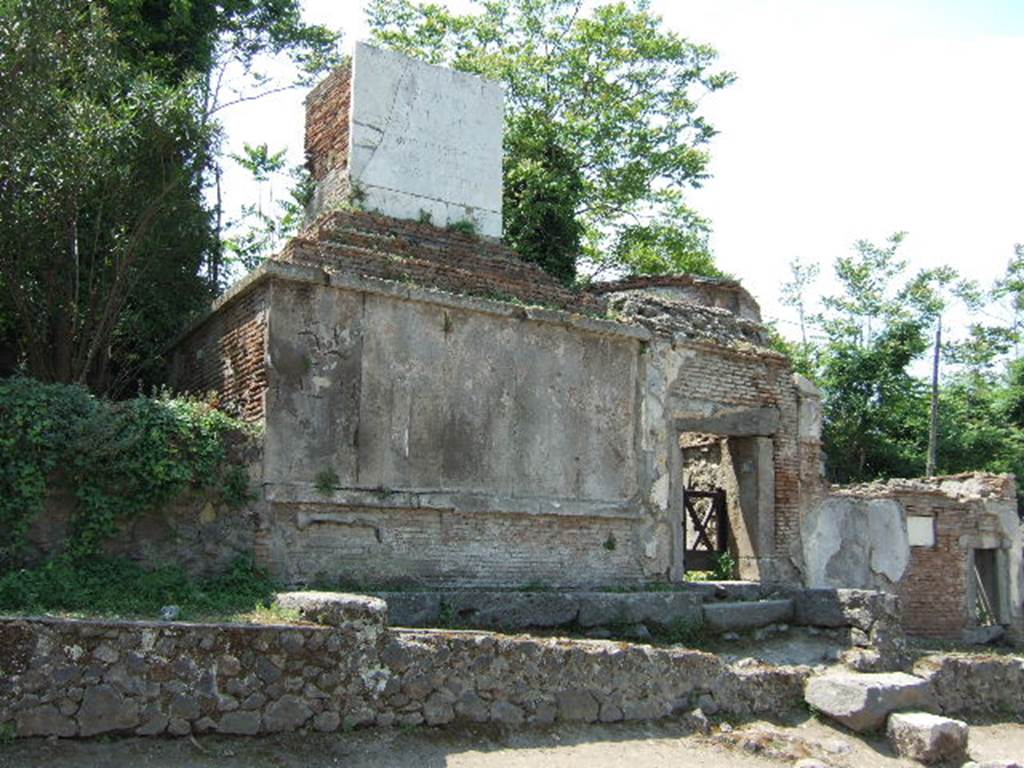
x,y
738,616
727,590
862,700
841,607
511,610
658,609
927,738
524,610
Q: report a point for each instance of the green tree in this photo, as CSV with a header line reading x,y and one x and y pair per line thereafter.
x,y
264,225
604,129
794,294
100,182
876,411
110,138
225,48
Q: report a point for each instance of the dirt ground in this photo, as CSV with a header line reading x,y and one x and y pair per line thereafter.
x,y
667,743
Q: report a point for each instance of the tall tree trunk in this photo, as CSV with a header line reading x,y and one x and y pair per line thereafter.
x,y
933,427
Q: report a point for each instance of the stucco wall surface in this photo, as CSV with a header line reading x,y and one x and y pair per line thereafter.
x,y
425,139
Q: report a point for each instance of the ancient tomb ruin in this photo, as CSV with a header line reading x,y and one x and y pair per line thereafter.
x,y
438,412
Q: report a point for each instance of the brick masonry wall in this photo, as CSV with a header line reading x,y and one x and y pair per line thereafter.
x,y
935,588
327,122
378,246
74,678
400,547
226,355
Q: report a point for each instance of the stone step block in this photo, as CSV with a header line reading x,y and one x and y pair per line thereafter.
x,y
928,738
739,616
655,609
727,590
862,700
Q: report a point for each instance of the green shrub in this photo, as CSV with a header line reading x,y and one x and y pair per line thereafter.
x,y
725,567
117,459
104,586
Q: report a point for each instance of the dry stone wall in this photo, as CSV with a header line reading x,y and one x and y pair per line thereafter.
x,y
73,678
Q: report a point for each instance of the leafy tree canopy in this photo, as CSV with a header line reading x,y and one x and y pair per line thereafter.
x,y
109,146
862,349
604,129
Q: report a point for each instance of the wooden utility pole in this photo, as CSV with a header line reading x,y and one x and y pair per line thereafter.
x,y
933,428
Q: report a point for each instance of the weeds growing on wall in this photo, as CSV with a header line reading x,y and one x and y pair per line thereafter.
x,y
104,586
116,459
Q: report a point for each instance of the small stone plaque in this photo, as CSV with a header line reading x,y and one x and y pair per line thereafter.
x,y
921,531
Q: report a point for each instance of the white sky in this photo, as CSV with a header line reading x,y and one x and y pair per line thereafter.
x,y
851,119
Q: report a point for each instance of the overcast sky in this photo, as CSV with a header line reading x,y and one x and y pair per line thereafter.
x,y
850,119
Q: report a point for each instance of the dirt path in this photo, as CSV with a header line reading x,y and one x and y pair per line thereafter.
x,y
753,745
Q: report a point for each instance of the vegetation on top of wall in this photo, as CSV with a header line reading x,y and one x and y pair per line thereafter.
x,y
117,460
114,587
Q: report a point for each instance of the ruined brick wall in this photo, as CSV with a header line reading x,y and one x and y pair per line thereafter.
x,y
226,354
934,587
421,547
917,539
695,289
327,122
409,251
758,380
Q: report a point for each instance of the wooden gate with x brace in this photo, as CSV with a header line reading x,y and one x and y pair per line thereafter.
x,y
709,520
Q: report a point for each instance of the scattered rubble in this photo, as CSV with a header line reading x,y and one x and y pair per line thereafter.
x,y
927,738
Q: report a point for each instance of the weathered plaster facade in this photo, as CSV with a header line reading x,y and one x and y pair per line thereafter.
x,y
438,411
381,127
416,435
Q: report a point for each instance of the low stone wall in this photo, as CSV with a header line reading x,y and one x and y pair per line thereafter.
x,y
74,678
969,684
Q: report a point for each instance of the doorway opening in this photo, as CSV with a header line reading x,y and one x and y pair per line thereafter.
x,y
728,499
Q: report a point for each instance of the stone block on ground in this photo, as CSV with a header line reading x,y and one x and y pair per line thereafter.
x,y
337,609
511,610
412,609
738,616
657,609
927,738
862,701
983,635
858,608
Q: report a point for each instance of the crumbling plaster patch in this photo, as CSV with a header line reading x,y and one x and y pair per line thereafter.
x,y
860,543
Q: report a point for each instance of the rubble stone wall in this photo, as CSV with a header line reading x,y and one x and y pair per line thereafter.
x,y
972,684
75,678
